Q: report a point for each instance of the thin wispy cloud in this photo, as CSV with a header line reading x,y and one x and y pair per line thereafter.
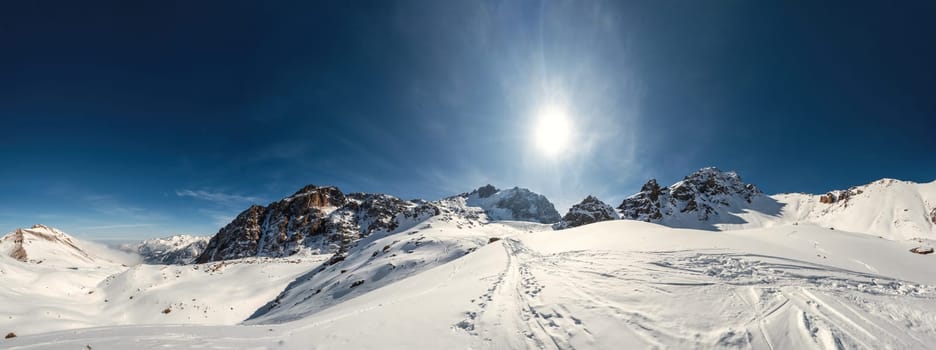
x,y
218,197
110,227
219,217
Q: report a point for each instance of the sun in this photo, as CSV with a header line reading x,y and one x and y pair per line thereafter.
x,y
552,131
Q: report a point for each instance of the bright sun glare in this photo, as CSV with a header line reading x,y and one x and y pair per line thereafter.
x,y
552,131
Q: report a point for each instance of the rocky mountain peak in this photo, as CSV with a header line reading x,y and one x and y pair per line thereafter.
x,y
515,203
318,218
40,227
589,210
485,191
698,196
319,196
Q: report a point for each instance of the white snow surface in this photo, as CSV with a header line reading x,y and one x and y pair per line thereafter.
x,y
887,208
51,247
614,284
69,283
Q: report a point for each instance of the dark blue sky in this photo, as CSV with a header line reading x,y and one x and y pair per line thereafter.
x,y
131,119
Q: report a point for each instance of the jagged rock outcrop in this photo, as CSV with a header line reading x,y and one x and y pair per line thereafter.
x,y
323,219
644,205
512,204
174,250
839,196
318,218
698,196
589,210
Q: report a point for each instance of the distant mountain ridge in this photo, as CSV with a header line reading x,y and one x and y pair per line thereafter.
x,y
172,250
516,203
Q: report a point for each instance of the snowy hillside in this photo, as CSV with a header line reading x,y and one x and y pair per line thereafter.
x,y
37,298
711,199
381,260
719,265
45,245
888,208
614,284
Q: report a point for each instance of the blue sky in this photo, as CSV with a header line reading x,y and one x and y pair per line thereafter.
x,y
124,120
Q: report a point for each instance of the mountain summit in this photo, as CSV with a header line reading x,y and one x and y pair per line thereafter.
x,y
323,219
516,203
590,210
698,198
319,218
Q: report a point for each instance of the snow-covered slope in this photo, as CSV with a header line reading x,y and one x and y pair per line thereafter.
x,y
614,284
729,268
173,250
711,199
45,245
48,297
888,208
380,260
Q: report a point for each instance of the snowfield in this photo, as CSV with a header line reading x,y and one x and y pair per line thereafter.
x,y
37,298
615,284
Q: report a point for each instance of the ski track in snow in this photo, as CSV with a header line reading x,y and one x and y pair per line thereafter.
x,y
511,310
618,285
773,303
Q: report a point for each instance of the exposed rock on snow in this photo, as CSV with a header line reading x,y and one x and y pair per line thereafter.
x,y
699,197
839,196
888,208
174,250
512,204
590,210
714,200
322,219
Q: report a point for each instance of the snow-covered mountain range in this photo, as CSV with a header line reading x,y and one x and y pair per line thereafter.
x,y
711,199
707,262
172,250
322,219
